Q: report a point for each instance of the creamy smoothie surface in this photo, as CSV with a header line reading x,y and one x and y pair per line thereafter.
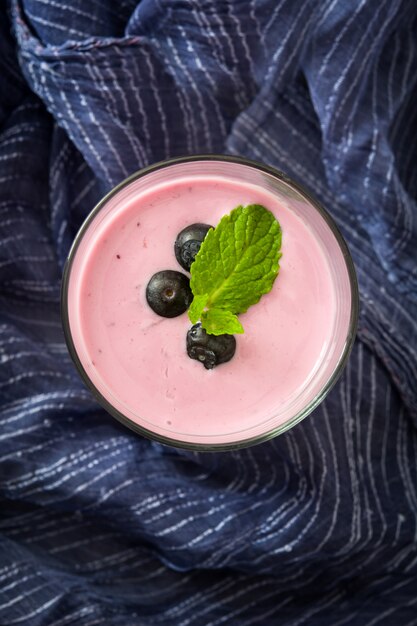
x,y
138,360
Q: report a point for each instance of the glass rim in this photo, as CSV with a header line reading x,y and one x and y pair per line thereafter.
x,y
318,398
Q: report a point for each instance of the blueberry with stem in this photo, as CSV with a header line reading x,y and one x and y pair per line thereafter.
x,y
210,350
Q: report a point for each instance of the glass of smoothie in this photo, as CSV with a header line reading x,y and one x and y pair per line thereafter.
x,y
297,337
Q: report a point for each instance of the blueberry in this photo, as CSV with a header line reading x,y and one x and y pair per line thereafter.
x,y
211,350
168,293
188,243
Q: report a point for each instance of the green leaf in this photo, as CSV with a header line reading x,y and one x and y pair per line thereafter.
x,y
197,307
237,263
220,322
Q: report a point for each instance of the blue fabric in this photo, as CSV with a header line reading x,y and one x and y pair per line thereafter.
x,y
99,526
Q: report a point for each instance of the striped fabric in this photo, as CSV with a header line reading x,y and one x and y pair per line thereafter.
x,y
99,526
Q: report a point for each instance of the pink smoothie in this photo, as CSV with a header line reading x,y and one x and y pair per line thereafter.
x,y
138,361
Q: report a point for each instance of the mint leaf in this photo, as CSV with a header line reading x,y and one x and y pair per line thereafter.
x,y
237,263
197,307
220,322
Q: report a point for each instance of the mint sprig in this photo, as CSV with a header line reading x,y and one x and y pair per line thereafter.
x,y
237,263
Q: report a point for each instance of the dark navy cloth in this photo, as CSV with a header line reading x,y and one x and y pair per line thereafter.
x,y
99,526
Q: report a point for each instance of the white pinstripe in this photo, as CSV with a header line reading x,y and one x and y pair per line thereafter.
x,y
55,25
187,74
